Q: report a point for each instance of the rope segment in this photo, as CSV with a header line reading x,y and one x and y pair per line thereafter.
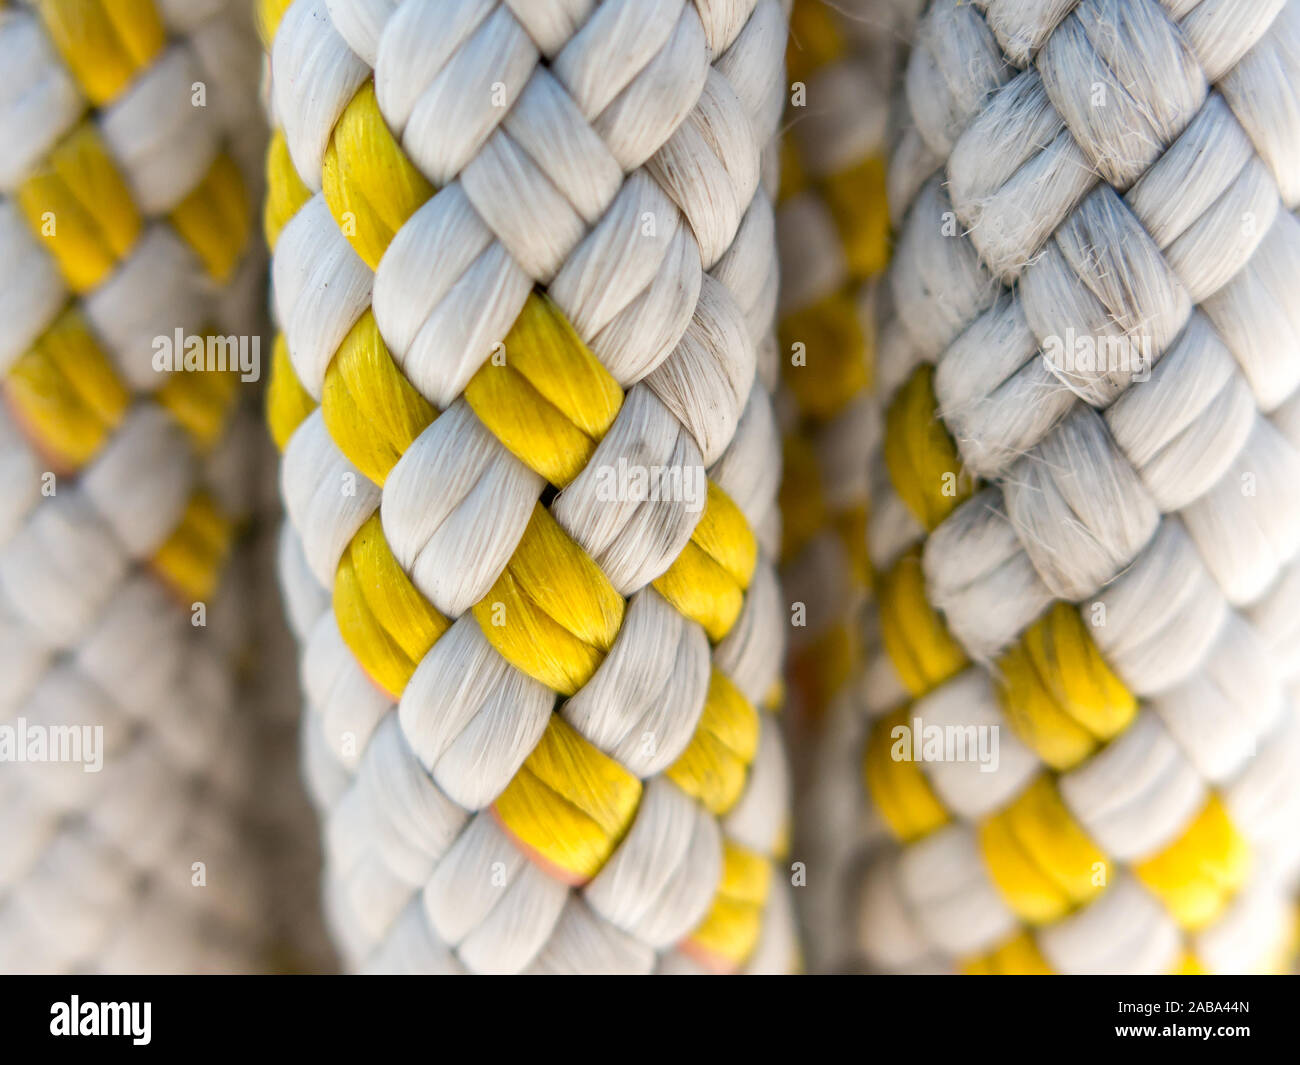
x,y
523,263
833,237
124,217
1090,545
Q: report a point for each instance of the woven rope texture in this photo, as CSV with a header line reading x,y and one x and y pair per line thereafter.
x,y
125,216
1086,523
525,275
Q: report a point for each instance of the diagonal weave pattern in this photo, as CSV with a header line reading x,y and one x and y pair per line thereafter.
x,y
523,251
124,216
1087,529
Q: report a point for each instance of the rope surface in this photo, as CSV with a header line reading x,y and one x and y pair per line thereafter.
x,y
124,216
1094,558
521,251
833,237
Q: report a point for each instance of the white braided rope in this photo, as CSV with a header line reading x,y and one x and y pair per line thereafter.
x,y
1118,170
96,868
617,112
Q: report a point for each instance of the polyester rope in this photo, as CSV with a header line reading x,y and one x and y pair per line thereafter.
x,y
523,261
123,217
1088,531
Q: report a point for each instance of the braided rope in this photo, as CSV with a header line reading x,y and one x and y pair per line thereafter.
x,y
1096,559
519,248
123,216
832,232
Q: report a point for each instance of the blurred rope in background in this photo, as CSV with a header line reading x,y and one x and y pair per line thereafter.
x,y
125,211
833,235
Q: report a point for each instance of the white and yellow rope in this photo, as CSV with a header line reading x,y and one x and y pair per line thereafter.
x,y
833,236
1096,563
123,216
519,247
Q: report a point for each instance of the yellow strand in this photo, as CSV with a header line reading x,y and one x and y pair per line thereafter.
x,y
1039,857
920,455
1017,956
815,40
716,762
214,219
569,803
836,361
1058,692
285,192
287,402
897,785
105,43
200,401
190,559
918,643
802,498
369,184
370,409
552,612
268,15
1197,874
730,930
544,395
382,616
859,204
79,206
707,581
66,393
